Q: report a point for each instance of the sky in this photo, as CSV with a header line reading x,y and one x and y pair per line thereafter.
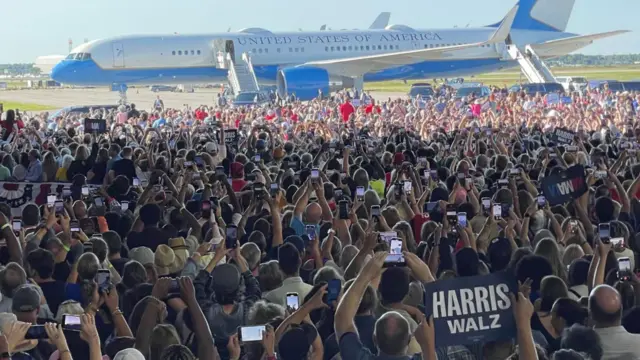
x,y
43,27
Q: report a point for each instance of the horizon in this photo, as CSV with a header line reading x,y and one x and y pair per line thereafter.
x,y
78,20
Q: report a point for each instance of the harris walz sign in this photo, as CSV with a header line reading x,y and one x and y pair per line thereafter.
x,y
564,186
474,309
562,136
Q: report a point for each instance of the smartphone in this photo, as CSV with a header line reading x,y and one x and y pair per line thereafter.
x,y
486,203
293,301
398,187
542,201
430,206
16,224
251,333
59,206
395,257
66,193
514,172
497,211
434,174
188,164
617,242
174,287
219,170
601,174
571,148
503,182
343,209
199,162
51,200
461,176
422,161
452,214
604,231
337,194
124,205
103,279
98,201
36,332
333,291
85,191
273,190
407,186
232,237
71,322
257,158
315,174
311,232
360,192
205,208
462,219
624,268
136,182
74,225
375,210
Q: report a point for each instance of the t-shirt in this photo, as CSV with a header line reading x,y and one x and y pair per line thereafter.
x,y
151,237
125,167
55,293
118,264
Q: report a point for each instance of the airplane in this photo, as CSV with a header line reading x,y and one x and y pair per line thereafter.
x,y
307,62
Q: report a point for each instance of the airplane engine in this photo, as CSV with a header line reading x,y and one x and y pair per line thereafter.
x,y
305,82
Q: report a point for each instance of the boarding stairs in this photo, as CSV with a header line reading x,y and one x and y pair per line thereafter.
x,y
241,75
534,69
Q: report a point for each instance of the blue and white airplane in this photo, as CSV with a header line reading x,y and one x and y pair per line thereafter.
x,y
305,62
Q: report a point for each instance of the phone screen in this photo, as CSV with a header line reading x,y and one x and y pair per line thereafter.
x,y
72,321
206,205
387,236
16,225
604,231
315,174
375,210
462,219
219,170
74,225
66,193
251,333
59,205
624,264
407,186
497,211
360,191
256,158
311,232
51,199
36,332
486,203
232,237
395,252
293,301
98,201
102,278
124,205
136,182
542,201
434,174
343,208
430,206
333,290
85,190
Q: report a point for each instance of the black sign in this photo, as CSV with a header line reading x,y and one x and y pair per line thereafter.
x,y
562,136
95,126
231,137
474,309
561,187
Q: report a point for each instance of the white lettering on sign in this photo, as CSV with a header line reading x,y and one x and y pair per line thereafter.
x,y
464,325
478,300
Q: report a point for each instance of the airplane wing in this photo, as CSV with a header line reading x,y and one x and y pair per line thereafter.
x,y
358,66
381,21
570,44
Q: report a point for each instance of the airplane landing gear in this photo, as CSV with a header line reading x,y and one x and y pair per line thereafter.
x,y
122,92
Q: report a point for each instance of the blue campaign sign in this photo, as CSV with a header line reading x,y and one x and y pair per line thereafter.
x,y
474,309
553,98
566,100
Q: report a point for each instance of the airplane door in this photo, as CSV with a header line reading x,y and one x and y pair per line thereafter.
x,y
230,49
118,55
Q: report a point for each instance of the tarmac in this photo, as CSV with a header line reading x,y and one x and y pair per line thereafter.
x,y
142,97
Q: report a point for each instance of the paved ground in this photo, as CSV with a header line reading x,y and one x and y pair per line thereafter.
x,y
143,98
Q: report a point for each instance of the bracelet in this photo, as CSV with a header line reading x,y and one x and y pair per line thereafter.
x,y
60,352
116,312
66,247
5,226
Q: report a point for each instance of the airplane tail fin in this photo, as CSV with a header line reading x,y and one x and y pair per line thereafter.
x,y
381,21
542,15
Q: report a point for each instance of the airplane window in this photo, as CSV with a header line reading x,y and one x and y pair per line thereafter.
x,y
193,52
253,51
344,48
70,56
198,52
326,48
173,52
361,47
179,52
379,47
186,52
79,56
332,48
425,46
367,48
290,49
278,49
260,51
350,47
86,56
296,49
266,51
302,49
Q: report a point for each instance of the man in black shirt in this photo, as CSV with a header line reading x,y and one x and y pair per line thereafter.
x,y
114,244
133,113
124,166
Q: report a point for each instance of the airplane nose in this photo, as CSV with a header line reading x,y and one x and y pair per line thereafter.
x,y
58,72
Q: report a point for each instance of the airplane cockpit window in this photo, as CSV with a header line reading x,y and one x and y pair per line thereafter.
x,y
71,56
85,56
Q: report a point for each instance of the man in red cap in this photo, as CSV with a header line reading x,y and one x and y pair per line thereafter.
x,y
237,177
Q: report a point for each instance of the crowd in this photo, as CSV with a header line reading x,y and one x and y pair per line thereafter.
x,y
310,230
